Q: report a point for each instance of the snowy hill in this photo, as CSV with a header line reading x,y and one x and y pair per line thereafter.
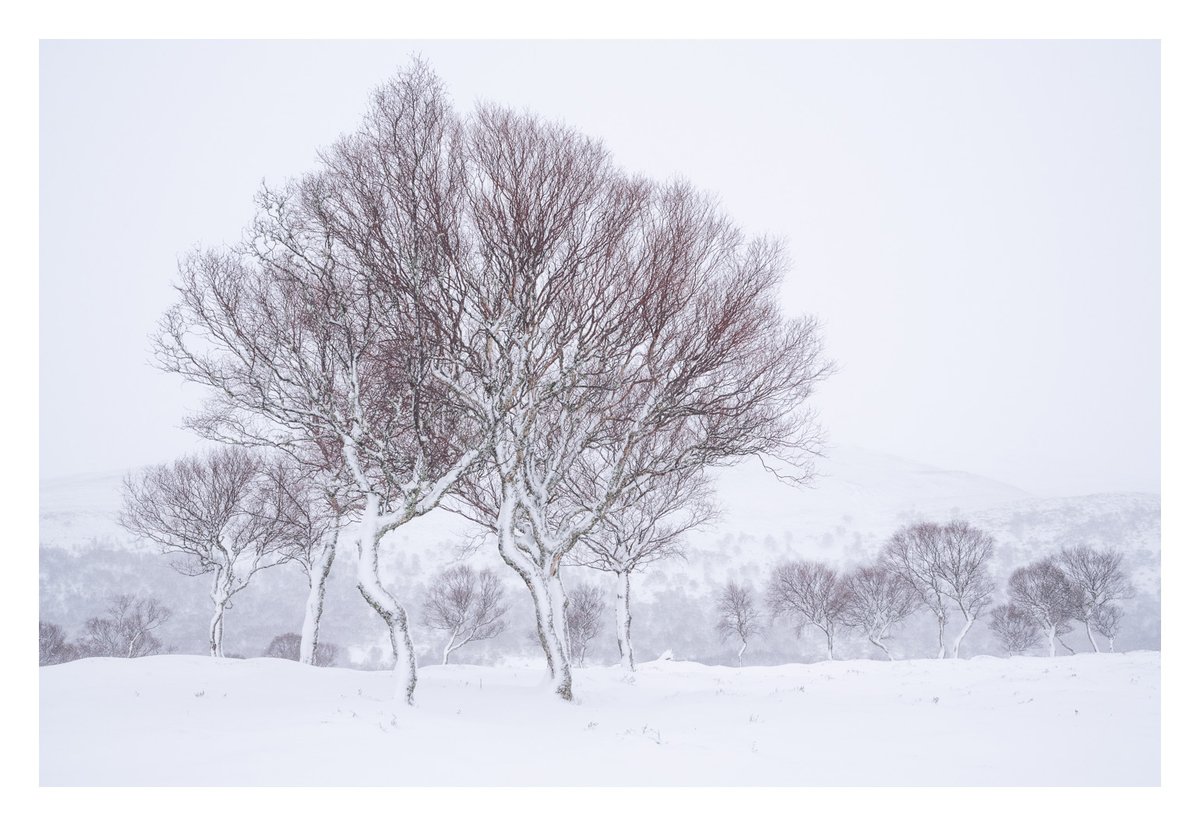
x,y
859,499
1091,720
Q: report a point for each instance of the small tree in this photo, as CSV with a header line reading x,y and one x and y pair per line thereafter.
x,y
53,647
585,610
127,628
1098,580
809,593
209,513
737,616
877,599
1043,591
467,604
1108,622
1013,626
290,646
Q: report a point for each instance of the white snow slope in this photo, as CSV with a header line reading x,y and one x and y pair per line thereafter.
x,y
186,720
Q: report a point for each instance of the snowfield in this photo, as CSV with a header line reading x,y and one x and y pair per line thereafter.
x,y
1090,720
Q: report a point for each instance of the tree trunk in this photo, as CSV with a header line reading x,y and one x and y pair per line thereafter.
x,y
624,622
961,634
216,630
941,622
1111,647
1087,623
449,647
379,598
881,647
1050,635
742,651
317,577
829,641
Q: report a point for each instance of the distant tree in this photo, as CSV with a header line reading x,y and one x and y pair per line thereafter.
x,y
737,616
1098,581
309,505
915,553
585,609
290,647
1108,622
645,525
964,560
126,630
209,513
809,593
876,599
1013,626
53,647
469,605
1043,591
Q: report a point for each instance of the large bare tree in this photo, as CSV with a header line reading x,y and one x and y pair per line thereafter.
x,y
915,554
210,514
1098,580
809,593
1014,627
645,525
964,562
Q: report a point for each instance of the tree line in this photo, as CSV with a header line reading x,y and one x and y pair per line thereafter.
x,y
944,570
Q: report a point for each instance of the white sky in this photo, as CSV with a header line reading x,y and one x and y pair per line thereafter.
x,y
976,222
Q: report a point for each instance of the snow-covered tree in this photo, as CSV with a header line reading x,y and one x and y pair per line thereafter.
x,y
309,504
210,515
126,629
809,593
1108,622
1043,591
1098,580
964,561
645,525
585,616
1013,626
915,554
466,604
738,618
876,599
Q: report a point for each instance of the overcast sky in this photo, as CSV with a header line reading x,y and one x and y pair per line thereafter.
x,y
977,223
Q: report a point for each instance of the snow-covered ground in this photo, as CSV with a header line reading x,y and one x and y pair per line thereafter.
x,y
187,720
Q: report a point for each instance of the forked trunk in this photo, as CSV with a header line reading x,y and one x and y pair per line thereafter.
x,y
624,622
879,644
317,576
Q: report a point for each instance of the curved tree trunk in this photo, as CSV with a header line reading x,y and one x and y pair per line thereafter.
x,y
1087,623
220,600
450,647
961,634
878,644
386,605
742,651
313,608
624,622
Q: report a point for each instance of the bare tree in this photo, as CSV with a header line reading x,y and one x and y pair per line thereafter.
x,y
1098,579
737,616
469,605
915,554
53,647
585,609
1013,626
809,593
646,524
334,330
1043,591
876,599
208,513
310,508
1107,620
127,628
964,559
